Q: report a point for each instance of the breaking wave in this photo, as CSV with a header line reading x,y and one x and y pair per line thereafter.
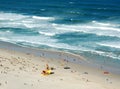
x,y
38,31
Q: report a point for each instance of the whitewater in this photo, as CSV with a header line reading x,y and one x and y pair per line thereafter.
x,y
41,31
84,27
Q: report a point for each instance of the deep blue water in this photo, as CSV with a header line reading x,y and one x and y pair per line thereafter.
x,y
88,27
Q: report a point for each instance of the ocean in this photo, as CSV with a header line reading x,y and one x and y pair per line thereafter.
x,y
90,28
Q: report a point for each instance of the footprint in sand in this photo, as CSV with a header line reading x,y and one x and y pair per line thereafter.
x,y
25,83
5,82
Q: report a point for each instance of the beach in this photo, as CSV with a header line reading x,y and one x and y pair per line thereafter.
x,y
21,67
59,44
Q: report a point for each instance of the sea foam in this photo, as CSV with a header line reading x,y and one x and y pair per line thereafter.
x,y
19,28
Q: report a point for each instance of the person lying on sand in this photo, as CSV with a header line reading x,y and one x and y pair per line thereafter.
x,y
47,71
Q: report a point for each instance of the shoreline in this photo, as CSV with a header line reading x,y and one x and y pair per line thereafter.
x,y
56,54
25,66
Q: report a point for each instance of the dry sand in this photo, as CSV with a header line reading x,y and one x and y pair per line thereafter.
x,y
23,71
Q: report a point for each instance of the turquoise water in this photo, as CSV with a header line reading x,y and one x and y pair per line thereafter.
x,y
87,27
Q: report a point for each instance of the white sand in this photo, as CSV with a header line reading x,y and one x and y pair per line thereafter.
x,y
23,71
